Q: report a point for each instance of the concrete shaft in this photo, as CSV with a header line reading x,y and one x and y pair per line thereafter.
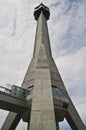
x,y
11,121
43,74
42,111
73,118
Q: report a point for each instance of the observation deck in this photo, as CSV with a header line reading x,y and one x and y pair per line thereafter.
x,y
41,8
14,99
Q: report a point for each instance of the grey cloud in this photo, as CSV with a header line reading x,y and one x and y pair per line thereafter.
x,y
69,27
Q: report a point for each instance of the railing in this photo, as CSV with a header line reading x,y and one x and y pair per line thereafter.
x,y
15,91
5,90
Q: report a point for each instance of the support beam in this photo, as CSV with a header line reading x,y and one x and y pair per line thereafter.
x,y
74,119
28,124
13,104
11,121
42,111
57,126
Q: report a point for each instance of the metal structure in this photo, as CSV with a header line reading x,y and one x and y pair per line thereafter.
x,y
42,101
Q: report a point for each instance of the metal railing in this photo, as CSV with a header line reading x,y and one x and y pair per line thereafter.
x,y
5,90
16,91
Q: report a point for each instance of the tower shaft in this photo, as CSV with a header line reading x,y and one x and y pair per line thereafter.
x,y
43,75
42,111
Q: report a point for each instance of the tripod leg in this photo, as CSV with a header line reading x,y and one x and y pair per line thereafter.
x,y
73,118
11,121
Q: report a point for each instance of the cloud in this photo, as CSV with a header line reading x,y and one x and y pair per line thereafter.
x,y
72,65
68,19
22,125
72,68
64,125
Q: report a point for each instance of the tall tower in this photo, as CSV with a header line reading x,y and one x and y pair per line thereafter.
x,y
47,100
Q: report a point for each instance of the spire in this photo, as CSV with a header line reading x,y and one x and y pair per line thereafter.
x,y
42,42
42,111
42,8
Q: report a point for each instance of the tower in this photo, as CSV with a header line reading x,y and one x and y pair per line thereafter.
x,y
47,101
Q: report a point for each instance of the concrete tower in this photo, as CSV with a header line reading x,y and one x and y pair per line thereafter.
x,y
47,100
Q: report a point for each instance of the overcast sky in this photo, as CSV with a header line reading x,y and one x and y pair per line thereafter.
x,y
67,30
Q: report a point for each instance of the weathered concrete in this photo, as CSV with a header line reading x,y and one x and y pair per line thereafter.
x,y
73,118
11,121
12,104
42,112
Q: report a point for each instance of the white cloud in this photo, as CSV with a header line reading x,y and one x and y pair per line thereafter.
x,y
22,125
72,67
68,18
